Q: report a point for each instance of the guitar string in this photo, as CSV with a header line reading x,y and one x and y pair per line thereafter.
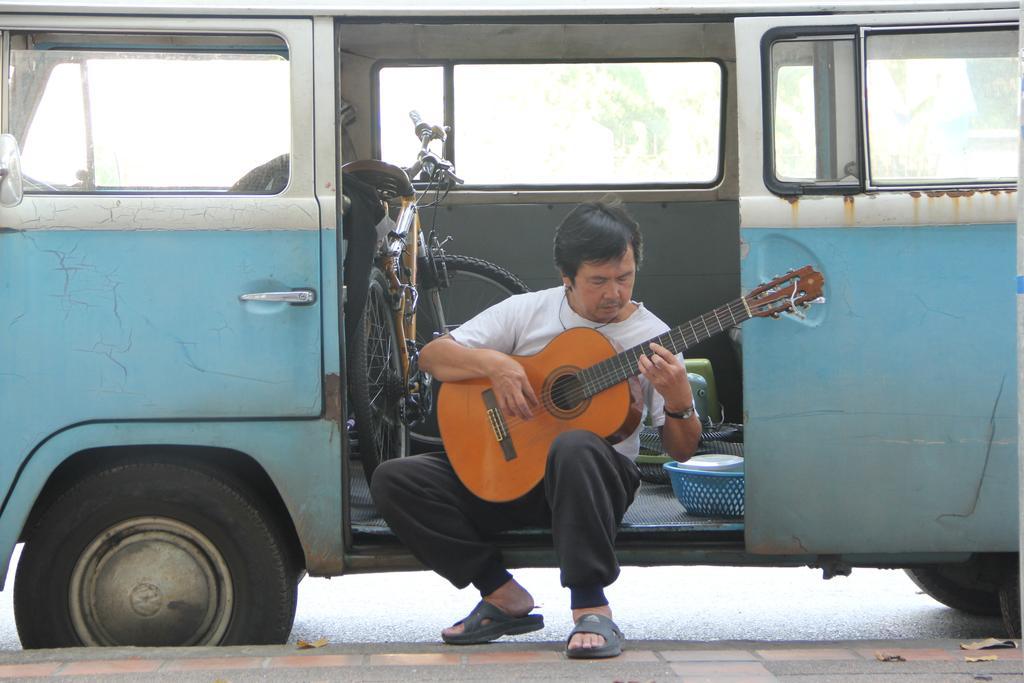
x,y
618,364
625,362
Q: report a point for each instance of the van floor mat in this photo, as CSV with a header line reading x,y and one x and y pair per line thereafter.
x,y
655,508
652,472
727,447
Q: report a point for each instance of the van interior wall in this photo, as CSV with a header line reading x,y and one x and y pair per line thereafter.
x,y
692,250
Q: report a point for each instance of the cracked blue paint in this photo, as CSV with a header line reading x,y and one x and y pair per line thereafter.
x,y
192,364
886,424
98,319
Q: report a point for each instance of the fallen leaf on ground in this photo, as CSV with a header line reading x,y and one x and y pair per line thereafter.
x,y
989,644
987,658
887,657
306,645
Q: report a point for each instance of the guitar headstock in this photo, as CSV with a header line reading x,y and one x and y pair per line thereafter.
x,y
797,288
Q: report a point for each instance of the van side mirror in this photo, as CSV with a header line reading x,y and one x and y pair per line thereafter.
x,y
11,189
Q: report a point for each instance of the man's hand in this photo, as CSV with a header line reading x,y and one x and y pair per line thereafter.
x,y
668,376
449,361
511,386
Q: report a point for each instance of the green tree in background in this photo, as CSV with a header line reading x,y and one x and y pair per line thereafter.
x,y
616,96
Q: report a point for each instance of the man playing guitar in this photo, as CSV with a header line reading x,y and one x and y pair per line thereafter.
x,y
588,483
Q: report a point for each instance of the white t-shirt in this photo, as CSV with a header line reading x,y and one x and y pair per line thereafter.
x,y
522,325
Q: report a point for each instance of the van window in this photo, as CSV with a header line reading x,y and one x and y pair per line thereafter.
x,y
814,111
942,107
570,124
149,121
404,89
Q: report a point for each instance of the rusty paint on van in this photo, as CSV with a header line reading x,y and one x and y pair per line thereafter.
x,y
332,398
794,208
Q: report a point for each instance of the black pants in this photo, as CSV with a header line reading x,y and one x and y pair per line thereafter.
x,y
586,489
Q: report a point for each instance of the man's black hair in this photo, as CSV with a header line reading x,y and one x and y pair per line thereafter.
x,y
596,232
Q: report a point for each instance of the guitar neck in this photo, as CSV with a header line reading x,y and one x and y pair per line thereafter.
x,y
621,367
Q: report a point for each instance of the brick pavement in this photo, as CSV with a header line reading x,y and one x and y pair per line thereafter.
x,y
647,661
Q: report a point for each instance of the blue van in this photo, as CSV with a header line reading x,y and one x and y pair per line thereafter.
x,y
176,455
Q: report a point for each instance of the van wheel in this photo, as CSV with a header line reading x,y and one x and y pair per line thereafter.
x,y
959,587
1009,602
153,554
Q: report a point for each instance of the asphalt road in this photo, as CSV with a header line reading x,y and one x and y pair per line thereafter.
x,y
662,603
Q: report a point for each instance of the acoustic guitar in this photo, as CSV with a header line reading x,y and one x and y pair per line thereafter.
x,y
582,382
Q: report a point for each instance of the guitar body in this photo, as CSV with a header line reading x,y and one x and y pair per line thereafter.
x,y
499,457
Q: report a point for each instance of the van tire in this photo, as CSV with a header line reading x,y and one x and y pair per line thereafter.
x,y
1009,603
154,554
952,586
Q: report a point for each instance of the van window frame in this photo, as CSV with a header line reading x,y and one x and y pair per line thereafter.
x,y
197,43
448,97
859,34
448,66
771,179
866,31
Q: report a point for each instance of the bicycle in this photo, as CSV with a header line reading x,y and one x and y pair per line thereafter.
x,y
416,291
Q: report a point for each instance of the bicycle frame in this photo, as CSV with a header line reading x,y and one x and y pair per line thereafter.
x,y
399,260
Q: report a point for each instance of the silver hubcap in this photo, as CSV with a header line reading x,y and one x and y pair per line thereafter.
x,y
150,581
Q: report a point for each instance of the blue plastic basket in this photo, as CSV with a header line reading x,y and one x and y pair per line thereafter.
x,y
707,494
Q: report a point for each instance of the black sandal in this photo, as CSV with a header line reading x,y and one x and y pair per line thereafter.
x,y
501,624
600,625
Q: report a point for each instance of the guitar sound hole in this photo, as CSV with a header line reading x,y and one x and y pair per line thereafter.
x,y
567,393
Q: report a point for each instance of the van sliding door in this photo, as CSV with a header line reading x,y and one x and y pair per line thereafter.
x,y
881,149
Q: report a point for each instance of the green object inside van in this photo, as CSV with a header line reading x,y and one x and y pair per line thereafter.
x,y
702,367
705,397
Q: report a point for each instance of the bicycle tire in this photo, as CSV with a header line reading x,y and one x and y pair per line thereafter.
x,y
473,285
376,386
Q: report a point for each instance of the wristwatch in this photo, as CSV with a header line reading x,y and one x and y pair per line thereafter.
x,y
685,415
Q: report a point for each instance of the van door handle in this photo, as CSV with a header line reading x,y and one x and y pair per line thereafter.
x,y
296,297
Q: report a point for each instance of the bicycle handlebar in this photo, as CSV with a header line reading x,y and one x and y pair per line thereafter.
x,y
426,132
427,160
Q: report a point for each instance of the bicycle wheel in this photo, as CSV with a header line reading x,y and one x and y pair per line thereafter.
x,y
376,387
474,285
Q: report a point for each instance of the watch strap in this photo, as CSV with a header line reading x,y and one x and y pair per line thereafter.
x,y
684,415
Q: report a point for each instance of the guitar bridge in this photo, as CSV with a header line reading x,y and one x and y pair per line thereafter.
x,y
498,425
